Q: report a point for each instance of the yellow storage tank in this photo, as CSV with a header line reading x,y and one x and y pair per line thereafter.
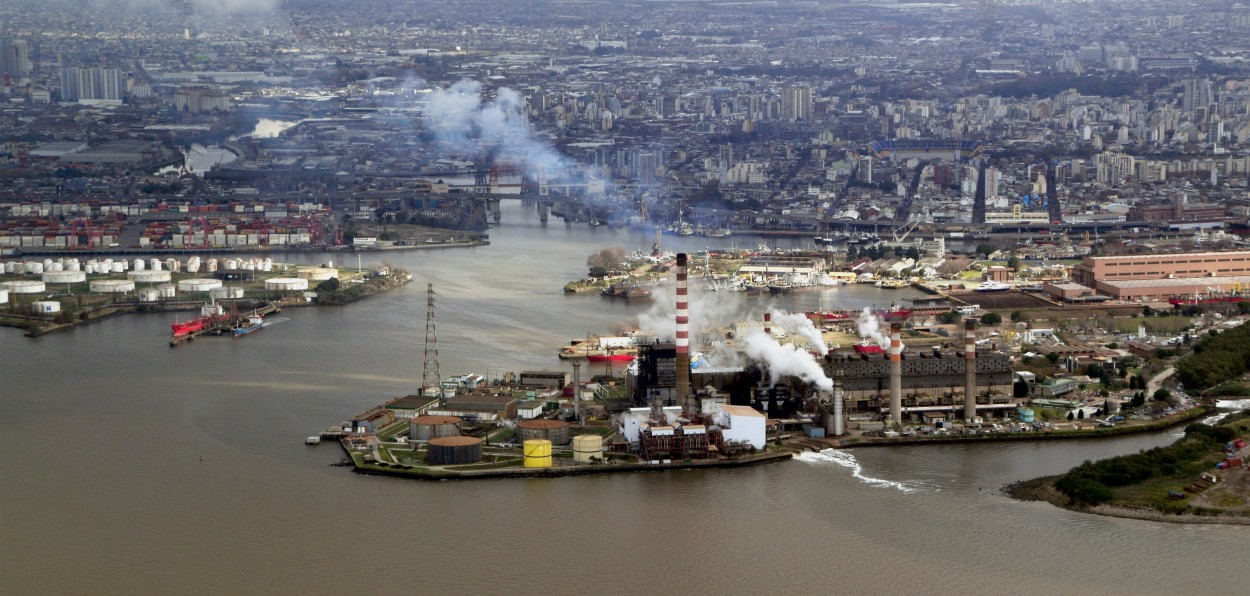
x,y
586,447
537,453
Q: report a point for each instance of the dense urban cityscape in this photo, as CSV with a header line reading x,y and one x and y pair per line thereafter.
x,y
911,248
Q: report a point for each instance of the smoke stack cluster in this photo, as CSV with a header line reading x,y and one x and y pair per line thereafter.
x,y
970,369
896,374
683,331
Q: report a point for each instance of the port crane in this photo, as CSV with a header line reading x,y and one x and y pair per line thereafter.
x,y
901,233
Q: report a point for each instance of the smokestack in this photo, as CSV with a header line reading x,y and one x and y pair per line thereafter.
x,y
970,369
896,374
768,323
577,389
833,424
683,332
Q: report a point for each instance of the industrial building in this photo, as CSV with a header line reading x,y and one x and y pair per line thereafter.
x,y
477,406
1092,270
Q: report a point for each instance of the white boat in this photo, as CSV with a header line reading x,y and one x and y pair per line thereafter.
x,y
313,440
993,286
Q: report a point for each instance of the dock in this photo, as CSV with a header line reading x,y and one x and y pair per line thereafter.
x,y
267,309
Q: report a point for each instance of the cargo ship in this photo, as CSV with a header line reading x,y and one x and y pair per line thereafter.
x,y
866,347
210,315
248,325
609,357
626,291
1179,302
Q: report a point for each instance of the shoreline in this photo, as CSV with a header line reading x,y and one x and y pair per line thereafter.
x,y
237,250
1099,433
359,467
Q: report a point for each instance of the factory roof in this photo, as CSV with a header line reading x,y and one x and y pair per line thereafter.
x,y
741,411
1174,282
410,402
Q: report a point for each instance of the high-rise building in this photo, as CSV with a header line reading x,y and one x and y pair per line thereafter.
x,y
1198,94
79,84
796,103
15,57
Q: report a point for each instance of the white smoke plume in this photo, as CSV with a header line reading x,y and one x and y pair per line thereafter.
x,y
784,360
799,324
464,122
869,327
709,313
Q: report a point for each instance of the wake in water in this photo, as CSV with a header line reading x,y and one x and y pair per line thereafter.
x,y
846,460
275,320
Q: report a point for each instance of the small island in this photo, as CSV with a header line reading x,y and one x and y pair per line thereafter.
x,y
1201,478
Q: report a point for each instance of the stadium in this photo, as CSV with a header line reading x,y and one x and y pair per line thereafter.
x,y
951,149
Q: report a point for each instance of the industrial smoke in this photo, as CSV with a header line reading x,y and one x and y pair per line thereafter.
x,y
464,123
870,328
784,360
799,324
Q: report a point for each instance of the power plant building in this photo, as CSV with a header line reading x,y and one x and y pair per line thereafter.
x,y
929,382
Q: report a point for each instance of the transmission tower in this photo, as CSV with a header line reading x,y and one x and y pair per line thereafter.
x,y
430,378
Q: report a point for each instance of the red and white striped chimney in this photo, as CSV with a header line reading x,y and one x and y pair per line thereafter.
x,y
896,374
683,332
768,323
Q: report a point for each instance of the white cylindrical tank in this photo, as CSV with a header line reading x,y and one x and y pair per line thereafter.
x,y
286,284
54,267
4,296
73,265
34,267
172,264
230,264
10,267
266,265
226,293
149,295
317,274
112,286
46,307
47,263
155,264
198,284
64,277
149,277
193,265
212,265
249,266
165,291
118,266
24,286
139,265
89,269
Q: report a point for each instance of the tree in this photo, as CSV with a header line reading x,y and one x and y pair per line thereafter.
x,y
1013,263
329,285
949,317
991,318
1139,399
1019,316
1053,357
1093,371
606,259
1080,414
1162,395
1071,416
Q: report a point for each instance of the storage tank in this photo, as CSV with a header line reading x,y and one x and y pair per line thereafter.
x,y
198,284
34,267
556,431
24,286
444,451
165,291
46,307
172,264
211,266
230,264
112,286
586,447
149,295
193,265
139,265
151,276
266,265
54,267
226,293
317,274
424,428
64,277
156,264
286,284
4,296
73,265
118,266
537,453
11,267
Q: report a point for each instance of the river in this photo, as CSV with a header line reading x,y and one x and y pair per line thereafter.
x,y
130,467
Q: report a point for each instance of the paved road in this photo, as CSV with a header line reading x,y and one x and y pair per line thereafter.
x,y
1153,384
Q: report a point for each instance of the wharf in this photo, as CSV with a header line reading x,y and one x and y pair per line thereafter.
x,y
216,328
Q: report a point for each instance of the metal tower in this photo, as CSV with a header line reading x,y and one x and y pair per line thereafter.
x,y
430,378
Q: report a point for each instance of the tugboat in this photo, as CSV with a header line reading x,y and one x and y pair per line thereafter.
x,y
626,291
248,325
